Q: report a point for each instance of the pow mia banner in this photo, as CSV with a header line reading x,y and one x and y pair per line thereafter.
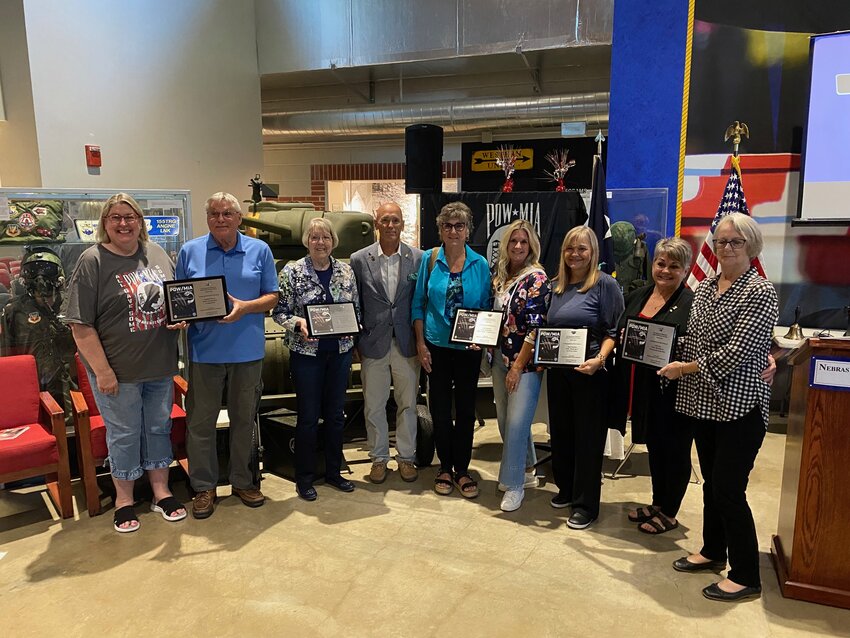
x,y
552,215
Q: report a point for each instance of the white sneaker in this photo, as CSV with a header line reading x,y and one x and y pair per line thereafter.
x,y
531,480
512,499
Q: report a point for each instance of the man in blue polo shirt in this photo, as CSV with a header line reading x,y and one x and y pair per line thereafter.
x,y
226,353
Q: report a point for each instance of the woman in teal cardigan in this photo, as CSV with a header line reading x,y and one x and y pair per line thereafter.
x,y
450,277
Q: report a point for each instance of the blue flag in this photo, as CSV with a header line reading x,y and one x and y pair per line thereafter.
x,y
598,219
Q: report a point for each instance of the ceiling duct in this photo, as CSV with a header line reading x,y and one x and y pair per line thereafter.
x,y
455,117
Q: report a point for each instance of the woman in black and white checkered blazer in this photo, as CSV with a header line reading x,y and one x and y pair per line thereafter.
x,y
721,389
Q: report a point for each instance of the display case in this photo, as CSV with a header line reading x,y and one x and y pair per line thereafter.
x,y
43,232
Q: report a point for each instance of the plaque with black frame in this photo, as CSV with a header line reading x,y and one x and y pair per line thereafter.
x,y
201,299
478,327
331,320
561,346
649,343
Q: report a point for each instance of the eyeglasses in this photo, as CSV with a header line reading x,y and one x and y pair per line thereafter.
x,y
127,219
228,214
736,243
459,227
390,221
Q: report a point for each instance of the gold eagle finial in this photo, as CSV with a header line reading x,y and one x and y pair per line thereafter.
x,y
735,131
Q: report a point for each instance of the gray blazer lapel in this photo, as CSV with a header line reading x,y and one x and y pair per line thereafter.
x,y
374,265
404,270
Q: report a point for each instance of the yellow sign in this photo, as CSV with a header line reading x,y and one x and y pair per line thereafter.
x,y
486,160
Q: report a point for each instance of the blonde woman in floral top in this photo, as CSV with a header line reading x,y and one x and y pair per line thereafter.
x,y
319,366
522,292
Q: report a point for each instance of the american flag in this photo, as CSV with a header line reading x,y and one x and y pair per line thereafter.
x,y
733,201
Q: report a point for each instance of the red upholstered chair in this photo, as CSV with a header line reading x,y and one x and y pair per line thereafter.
x,y
91,434
42,450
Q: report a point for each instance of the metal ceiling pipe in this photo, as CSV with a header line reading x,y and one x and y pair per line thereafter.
x,y
455,117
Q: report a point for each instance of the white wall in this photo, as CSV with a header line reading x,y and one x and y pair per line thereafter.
x,y
169,90
18,144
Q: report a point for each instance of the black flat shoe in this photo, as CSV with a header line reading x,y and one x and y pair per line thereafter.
x,y
713,592
308,493
341,484
684,565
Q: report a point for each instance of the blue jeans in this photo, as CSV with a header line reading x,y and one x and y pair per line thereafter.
x,y
514,413
138,426
320,382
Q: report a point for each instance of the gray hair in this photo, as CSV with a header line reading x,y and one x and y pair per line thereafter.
x,y
221,196
676,249
455,210
747,227
324,224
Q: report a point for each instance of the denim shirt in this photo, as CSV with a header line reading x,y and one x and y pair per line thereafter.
x,y
300,286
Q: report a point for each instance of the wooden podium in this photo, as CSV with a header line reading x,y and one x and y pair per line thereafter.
x,y
811,549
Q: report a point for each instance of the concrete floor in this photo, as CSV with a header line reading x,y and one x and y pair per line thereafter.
x,y
394,559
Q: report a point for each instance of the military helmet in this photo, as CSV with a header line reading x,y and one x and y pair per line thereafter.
x,y
42,272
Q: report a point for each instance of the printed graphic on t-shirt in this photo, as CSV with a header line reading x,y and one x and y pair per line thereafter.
x,y
145,296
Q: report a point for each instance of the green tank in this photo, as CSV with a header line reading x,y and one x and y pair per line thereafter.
x,y
281,225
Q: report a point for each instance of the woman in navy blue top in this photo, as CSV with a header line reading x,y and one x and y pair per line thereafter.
x,y
450,277
583,297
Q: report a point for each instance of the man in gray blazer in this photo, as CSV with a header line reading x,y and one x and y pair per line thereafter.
x,y
386,277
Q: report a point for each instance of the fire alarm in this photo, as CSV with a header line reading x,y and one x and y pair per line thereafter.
x,y
92,156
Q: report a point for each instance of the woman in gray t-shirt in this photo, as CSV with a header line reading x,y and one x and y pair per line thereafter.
x,y
116,310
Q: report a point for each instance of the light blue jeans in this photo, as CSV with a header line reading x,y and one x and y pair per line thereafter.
x,y
138,426
514,413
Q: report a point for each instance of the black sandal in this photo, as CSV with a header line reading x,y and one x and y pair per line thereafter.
x,y
660,523
645,513
126,514
167,507
443,486
468,489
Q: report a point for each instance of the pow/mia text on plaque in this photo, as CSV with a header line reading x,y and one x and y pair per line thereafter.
x,y
479,327
648,342
560,346
331,320
199,299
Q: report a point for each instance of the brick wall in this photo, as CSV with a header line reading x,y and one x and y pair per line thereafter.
x,y
320,174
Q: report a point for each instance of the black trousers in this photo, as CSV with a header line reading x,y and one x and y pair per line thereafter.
x,y
320,382
727,452
577,427
454,375
669,438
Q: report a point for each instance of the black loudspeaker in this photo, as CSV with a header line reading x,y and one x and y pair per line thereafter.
x,y
423,148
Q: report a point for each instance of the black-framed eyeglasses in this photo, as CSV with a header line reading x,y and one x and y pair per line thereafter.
x,y
736,243
458,226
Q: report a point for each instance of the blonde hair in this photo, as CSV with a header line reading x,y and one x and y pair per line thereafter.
x,y
101,235
675,249
504,262
577,234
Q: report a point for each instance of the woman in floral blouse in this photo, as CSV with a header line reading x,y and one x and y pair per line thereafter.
x,y
319,367
522,292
